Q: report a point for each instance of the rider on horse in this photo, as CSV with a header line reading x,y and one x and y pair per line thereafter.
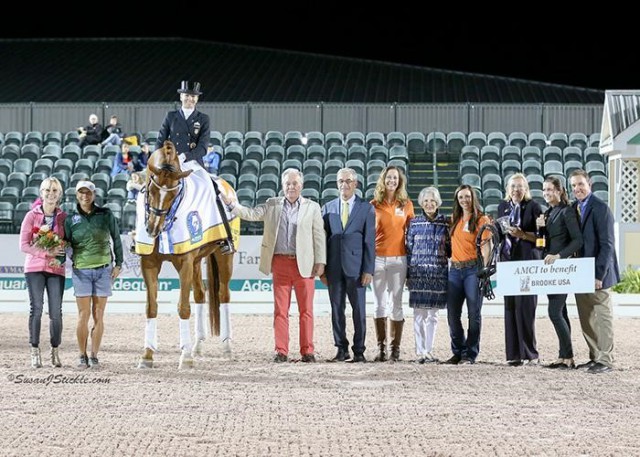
x,y
188,129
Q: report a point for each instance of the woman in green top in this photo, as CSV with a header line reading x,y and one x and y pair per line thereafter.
x,y
90,231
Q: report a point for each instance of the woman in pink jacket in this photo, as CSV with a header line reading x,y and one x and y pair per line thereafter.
x,y
44,268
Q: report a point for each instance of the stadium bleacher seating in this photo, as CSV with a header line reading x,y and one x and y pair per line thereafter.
x,y
252,161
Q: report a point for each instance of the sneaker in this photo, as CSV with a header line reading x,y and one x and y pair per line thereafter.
x,y
55,358
429,358
36,360
83,361
280,357
466,361
93,362
309,358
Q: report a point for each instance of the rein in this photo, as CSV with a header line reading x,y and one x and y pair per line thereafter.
x,y
487,267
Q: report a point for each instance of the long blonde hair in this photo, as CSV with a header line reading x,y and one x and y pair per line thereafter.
x,y
401,195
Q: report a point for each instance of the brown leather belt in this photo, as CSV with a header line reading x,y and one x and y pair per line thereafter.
x,y
464,264
287,256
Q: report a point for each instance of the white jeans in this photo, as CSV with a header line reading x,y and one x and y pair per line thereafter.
x,y
388,284
425,322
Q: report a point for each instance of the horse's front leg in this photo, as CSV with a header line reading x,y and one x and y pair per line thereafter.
x,y
185,271
150,270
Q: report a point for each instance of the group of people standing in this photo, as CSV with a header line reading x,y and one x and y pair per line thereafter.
x,y
91,237
351,244
582,229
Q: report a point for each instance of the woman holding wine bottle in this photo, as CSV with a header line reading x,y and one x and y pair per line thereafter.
x,y
519,244
561,230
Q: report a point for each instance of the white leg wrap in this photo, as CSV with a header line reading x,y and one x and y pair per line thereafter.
x,y
151,334
185,335
200,322
225,322
432,324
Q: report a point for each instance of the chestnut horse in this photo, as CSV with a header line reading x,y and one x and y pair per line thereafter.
x,y
163,195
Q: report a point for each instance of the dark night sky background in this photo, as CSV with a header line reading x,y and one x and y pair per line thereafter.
x,y
543,44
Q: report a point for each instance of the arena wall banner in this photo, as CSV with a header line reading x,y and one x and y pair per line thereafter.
x,y
246,276
533,277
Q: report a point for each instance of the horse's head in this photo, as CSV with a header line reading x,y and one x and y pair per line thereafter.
x,y
164,184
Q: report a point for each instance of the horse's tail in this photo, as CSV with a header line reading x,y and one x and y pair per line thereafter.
x,y
213,280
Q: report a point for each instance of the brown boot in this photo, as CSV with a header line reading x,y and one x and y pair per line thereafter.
x,y
396,337
381,335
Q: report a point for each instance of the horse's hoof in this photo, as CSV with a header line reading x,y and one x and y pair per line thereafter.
x,y
226,349
145,363
197,349
186,361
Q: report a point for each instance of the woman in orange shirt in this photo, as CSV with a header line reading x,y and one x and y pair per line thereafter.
x,y
394,210
463,281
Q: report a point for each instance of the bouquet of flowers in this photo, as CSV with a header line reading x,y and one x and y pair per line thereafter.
x,y
45,238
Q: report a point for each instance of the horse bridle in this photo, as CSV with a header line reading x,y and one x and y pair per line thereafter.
x,y
169,212
487,267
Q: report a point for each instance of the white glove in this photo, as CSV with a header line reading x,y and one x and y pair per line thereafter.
x,y
182,157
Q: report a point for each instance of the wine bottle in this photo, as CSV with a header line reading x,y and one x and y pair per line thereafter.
x,y
541,236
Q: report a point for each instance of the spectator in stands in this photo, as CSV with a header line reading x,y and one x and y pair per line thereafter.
x,y
113,133
394,210
463,281
140,160
44,268
212,161
595,309
91,231
428,252
519,244
294,249
92,133
350,225
134,185
123,161
563,239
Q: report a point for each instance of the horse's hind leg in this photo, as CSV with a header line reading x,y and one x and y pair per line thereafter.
x,y
225,270
199,317
184,265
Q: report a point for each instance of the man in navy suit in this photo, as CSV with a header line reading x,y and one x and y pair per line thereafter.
x,y
594,309
187,128
350,223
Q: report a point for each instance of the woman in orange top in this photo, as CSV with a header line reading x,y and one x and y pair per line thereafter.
x,y
394,210
463,281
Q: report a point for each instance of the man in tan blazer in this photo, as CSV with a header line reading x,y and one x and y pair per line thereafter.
x,y
294,251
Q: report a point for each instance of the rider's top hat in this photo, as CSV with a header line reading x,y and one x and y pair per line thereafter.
x,y
193,90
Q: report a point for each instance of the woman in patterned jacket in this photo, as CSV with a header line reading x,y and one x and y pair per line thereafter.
x,y
428,249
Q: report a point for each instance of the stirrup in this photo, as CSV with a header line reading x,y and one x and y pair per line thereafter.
x,y
226,247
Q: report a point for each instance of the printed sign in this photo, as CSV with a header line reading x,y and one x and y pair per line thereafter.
x,y
533,277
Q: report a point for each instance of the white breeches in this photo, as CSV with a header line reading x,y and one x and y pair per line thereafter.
x,y
388,284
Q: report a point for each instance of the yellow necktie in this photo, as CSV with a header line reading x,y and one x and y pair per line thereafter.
x,y
345,213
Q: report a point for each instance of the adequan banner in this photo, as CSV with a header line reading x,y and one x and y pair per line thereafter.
x,y
533,277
